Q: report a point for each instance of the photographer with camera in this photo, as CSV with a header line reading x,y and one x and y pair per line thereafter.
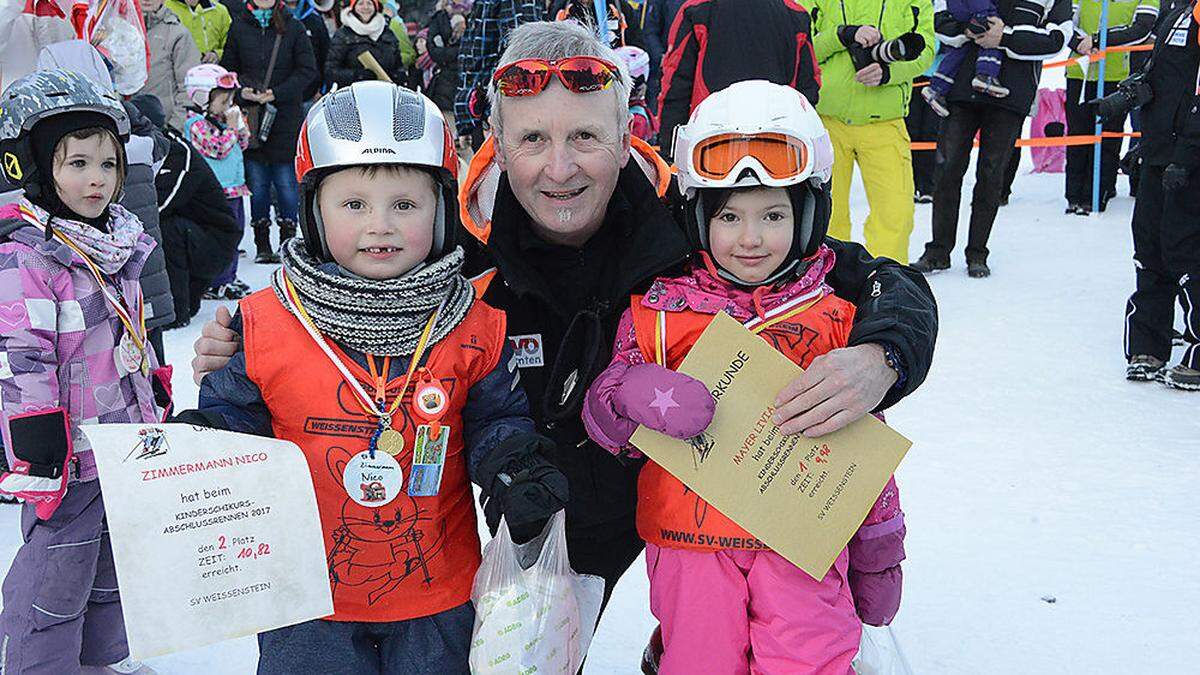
x,y
1027,32
869,52
1166,216
1129,23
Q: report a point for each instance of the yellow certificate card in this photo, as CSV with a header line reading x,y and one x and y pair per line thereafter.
x,y
803,497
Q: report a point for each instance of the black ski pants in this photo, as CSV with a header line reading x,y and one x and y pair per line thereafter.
x,y
605,551
1166,255
923,125
1081,158
998,129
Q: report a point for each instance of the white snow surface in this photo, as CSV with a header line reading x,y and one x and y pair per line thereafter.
x,y
1048,501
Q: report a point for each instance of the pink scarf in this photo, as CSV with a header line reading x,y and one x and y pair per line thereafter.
x,y
701,290
109,250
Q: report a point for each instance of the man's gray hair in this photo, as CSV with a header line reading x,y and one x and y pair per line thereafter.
x,y
553,40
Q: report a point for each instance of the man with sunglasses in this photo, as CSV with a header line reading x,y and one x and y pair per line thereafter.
x,y
568,211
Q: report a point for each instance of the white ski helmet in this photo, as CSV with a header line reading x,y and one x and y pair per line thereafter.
x,y
375,123
758,133
202,79
719,144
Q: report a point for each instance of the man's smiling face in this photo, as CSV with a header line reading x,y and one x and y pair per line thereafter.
x,y
563,152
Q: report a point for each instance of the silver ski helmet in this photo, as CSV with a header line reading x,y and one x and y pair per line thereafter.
x,y
376,123
36,98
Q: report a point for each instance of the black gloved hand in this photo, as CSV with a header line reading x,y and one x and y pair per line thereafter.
x,y
521,485
846,35
1174,177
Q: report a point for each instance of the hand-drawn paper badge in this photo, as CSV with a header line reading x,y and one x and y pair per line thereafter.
x,y
152,442
372,481
430,401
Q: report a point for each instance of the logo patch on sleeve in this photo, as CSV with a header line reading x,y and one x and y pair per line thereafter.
x,y
527,350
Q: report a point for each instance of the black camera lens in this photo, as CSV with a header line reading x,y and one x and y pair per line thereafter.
x,y
907,47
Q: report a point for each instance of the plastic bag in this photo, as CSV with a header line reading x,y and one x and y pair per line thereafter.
x,y
533,613
879,653
117,29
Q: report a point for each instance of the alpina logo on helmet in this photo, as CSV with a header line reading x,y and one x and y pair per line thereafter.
x,y
12,166
378,151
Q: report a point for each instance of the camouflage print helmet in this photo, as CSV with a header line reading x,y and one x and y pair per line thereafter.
x,y
36,97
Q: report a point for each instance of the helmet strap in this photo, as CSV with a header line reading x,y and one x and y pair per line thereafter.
x,y
319,224
439,224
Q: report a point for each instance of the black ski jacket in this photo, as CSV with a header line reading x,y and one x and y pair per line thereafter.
x,y
1171,120
1035,30
714,43
566,303
199,232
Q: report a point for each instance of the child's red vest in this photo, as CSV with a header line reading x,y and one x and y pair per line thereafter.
x,y
415,556
668,513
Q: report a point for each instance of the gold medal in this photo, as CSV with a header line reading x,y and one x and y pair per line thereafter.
x,y
390,441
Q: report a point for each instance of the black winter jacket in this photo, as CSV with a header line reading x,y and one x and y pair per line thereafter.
x,y
318,37
247,53
443,49
568,302
1035,30
200,233
142,200
343,68
1171,120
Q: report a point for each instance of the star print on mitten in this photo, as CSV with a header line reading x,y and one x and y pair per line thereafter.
x,y
667,401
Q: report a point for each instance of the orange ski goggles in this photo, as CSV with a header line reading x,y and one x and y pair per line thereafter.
x,y
779,155
579,74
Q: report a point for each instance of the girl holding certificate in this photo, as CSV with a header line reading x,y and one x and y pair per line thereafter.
x,y
73,350
754,166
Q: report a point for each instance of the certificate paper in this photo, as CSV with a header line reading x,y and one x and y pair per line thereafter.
x,y
215,535
802,497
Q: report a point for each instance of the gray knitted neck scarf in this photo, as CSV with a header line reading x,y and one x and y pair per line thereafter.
x,y
383,317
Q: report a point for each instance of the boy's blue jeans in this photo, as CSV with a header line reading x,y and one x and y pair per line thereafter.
x,y
433,644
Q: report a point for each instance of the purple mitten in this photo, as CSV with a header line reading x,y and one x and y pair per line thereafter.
x,y
876,579
669,402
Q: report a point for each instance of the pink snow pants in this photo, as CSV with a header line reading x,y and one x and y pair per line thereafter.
x,y
741,612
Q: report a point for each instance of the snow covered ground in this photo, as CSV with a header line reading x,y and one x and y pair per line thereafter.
x,y
1050,503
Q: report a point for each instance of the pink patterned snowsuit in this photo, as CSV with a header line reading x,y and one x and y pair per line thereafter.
x,y
744,611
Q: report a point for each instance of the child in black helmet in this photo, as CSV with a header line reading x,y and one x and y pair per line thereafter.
x,y
73,350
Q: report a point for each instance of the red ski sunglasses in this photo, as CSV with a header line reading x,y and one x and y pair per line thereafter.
x,y
579,74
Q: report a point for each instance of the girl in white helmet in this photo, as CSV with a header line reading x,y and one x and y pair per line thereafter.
x,y
217,131
371,352
754,164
